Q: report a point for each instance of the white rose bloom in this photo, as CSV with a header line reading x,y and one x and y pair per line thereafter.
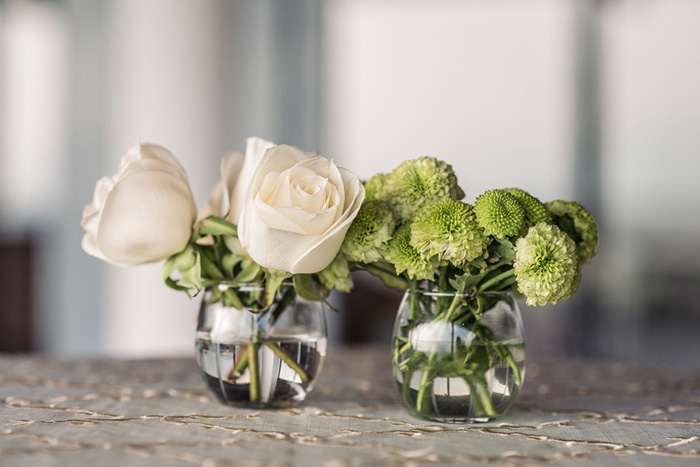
x,y
228,196
297,210
144,213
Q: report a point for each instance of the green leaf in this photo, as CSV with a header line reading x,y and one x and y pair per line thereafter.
x,y
228,262
305,287
273,282
506,250
389,278
187,263
214,225
248,273
465,282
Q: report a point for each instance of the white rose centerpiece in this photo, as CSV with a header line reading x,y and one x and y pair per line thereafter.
x,y
277,213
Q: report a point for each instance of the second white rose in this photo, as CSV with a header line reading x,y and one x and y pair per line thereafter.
x,y
297,210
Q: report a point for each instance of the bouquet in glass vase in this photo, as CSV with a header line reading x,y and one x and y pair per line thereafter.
x,y
458,344
263,250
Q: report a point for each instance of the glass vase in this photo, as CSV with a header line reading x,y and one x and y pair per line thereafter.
x,y
457,357
260,359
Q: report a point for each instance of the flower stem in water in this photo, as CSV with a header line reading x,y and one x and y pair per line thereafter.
x,y
254,372
289,361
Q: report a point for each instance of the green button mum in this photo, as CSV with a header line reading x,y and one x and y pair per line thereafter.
x,y
369,232
546,266
448,231
579,224
499,213
337,275
404,257
373,186
416,183
535,210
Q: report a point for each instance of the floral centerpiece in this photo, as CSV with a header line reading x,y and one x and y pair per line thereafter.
x,y
458,347
265,240
284,225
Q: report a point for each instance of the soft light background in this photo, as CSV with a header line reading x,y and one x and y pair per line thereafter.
x,y
593,100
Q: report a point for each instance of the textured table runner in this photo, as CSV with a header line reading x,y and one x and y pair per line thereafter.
x,y
158,412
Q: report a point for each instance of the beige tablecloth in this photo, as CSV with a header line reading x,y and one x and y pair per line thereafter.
x,y
158,412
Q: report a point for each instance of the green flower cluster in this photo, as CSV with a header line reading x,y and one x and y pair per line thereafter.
x,y
499,213
373,185
406,258
337,275
417,183
369,232
413,225
546,266
579,224
535,210
448,231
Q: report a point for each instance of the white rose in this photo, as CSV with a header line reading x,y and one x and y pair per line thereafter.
x,y
297,210
144,213
228,196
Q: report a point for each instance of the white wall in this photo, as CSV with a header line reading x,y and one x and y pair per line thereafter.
x,y
651,79
484,85
164,87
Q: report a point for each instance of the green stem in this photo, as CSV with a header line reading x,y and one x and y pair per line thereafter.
x,y
507,283
254,371
413,301
241,364
231,298
426,384
289,361
496,280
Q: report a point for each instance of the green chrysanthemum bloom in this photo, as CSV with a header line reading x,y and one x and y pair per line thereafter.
x,y
574,284
404,257
579,224
373,185
499,213
535,210
448,231
416,183
369,232
337,275
545,264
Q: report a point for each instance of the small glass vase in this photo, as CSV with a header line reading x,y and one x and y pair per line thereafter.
x,y
260,359
458,358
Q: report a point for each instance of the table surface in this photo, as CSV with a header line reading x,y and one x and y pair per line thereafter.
x,y
116,412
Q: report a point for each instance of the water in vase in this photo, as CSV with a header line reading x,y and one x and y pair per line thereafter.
x,y
267,373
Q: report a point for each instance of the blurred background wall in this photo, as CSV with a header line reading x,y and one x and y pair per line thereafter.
x,y
593,100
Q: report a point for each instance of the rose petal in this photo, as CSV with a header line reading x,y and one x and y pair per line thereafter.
x,y
254,152
151,151
330,243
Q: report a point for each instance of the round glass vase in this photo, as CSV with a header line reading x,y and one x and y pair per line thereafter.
x,y
458,358
260,359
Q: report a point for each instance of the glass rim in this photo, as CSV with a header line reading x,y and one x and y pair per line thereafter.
x,y
430,293
246,287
